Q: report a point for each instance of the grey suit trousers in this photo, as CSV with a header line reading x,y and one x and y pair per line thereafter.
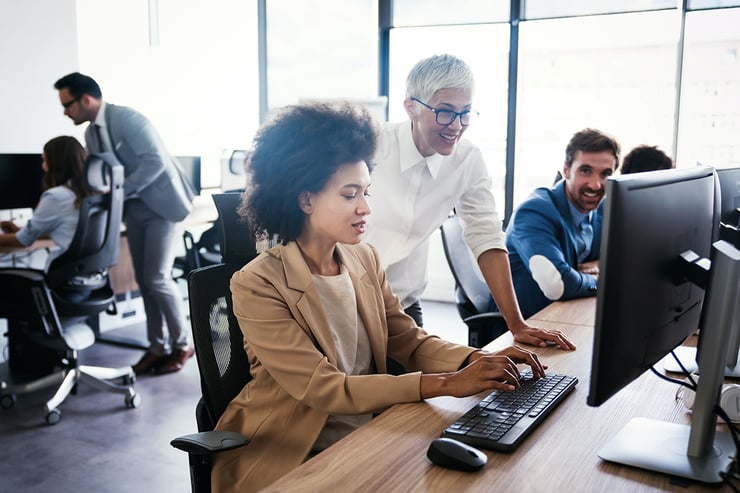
x,y
152,241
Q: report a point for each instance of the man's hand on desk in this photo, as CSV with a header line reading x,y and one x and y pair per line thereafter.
x,y
534,336
9,227
591,267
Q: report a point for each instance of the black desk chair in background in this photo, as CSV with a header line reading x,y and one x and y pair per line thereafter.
x,y
219,344
201,253
48,311
471,291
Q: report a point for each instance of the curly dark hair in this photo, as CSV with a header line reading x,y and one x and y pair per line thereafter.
x,y
65,159
591,140
645,158
299,151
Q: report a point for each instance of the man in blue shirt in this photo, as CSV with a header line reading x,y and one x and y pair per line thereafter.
x,y
554,236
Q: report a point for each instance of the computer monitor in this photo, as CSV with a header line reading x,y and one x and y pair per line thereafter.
x,y
191,167
729,184
20,180
646,306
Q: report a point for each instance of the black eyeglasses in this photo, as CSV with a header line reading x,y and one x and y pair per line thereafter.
x,y
70,103
447,117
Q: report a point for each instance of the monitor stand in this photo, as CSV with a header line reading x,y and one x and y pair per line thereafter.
x,y
687,355
661,446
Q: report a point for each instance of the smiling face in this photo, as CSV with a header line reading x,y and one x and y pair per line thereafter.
x,y
585,179
431,137
337,213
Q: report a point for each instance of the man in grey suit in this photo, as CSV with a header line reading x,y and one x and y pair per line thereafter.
x,y
157,197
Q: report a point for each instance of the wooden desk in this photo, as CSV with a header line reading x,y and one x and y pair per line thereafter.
x,y
389,453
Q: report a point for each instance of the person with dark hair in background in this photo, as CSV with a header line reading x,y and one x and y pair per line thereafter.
x,y
645,158
554,236
57,213
158,196
425,169
317,313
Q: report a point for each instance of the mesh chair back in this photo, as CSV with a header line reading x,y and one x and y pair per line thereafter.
x,y
219,344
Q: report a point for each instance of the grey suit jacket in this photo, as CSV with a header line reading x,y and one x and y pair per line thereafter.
x,y
296,384
152,174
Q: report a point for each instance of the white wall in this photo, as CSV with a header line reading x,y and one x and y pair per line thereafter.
x,y
38,45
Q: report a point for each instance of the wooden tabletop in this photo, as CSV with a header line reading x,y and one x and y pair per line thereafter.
x,y
389,453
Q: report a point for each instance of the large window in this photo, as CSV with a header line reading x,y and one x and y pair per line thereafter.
x,y
325,50
709,130
615,72
190,66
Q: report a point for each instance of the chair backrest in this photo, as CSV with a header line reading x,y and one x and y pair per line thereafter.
x,y
238,244
95,245
472,291
219,344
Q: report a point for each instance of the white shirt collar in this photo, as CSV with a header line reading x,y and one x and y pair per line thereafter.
x,y
100,117
410,155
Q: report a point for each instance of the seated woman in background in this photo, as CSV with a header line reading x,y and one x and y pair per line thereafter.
x,y
56,214
316,311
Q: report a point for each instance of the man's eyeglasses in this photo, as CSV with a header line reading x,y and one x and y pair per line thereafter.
x,y
70,103
447,117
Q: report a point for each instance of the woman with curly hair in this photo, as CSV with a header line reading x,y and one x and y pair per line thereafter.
x,y
316,311
57,212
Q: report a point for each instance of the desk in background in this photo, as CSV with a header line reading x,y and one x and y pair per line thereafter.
x,y
33,256
389,453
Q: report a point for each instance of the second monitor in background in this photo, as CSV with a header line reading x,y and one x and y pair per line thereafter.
x,y
729,184
20,181
191,166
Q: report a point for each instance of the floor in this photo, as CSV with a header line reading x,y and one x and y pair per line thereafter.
x,y
102,446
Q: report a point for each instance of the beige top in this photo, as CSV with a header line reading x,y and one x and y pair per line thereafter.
x,y
354,356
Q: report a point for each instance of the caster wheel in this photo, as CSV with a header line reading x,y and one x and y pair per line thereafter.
x,y
53,417
133,400
7,401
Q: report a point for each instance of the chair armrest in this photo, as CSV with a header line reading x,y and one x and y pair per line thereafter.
x,y
483,317
209,442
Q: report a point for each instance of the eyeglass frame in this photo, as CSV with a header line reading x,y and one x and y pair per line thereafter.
x,y
457,114
70,103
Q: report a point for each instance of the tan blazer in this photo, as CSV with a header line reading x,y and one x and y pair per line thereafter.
x,y
293,360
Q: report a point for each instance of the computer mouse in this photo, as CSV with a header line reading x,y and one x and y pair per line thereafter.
x,y
453,454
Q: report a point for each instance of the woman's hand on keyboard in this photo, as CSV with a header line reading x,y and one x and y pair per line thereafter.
x,y
486,371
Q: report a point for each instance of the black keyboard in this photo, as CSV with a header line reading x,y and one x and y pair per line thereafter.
x,y
502,419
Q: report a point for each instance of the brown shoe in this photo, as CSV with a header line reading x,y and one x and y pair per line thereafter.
x,y
149,361
176,361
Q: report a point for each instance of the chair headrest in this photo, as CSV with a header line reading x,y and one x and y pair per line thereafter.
x,y
98,170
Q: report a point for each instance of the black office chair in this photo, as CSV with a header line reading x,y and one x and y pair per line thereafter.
x,y
237,242
219,344
471,291
48,311
206,251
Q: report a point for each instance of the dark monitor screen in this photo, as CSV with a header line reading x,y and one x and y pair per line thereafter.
x,y
729,185
646,306
191,167
20,180
641,314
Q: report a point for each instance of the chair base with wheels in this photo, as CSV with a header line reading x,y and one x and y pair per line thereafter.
x,y
24,374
